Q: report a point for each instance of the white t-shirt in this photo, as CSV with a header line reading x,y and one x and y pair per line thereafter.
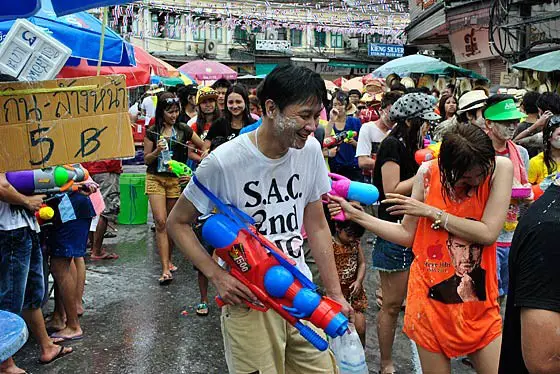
x,y
149,106
14,217
369,135
274,192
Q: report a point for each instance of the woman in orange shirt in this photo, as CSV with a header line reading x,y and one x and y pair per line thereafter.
x,y
458,206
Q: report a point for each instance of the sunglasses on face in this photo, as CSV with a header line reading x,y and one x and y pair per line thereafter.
x,y
553,121
172,100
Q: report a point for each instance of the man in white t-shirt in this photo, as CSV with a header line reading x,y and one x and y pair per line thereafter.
x,y
277,175
373,133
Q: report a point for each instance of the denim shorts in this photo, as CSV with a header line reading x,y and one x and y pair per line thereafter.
x,y
21,270
390,257
69,239
502,255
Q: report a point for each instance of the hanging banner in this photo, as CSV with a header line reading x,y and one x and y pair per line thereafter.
x,y
64,121
470,45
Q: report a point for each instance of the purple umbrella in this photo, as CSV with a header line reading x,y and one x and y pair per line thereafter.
x,y
205,70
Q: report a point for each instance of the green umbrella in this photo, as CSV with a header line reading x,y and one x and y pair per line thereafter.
x,y
546,62
421,64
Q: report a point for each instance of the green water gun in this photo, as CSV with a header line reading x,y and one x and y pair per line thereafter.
x,y
179,169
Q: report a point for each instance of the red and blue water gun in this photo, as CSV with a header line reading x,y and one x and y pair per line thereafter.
x,y
270,274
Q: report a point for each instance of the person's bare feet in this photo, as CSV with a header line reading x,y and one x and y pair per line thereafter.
x,y
80,310
68,334
51,353
9,367
56,322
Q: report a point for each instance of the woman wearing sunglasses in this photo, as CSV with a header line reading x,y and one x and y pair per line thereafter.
x,y
163,187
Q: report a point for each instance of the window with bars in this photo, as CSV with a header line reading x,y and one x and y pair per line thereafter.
x,y
240,35
336,41
296,37
199,31
320,39
216,31
282,33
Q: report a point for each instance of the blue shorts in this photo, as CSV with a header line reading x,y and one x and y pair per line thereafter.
x,y
22,284
69,239
390,257
502,255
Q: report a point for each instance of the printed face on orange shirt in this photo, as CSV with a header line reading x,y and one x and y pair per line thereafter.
x,y
465,256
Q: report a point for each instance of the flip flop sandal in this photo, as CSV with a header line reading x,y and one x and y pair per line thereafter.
x,y
60,354
202,309
65,338
110,235
173,268
165,279
105,256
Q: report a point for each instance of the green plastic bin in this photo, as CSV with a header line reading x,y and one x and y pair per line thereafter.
x,y
134,201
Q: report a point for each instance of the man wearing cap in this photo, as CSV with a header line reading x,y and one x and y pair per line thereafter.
x,y
502,118
354,96
471,105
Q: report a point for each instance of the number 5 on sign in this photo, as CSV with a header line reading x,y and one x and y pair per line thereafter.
x,y
63,121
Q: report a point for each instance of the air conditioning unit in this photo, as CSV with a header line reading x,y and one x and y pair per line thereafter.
x,y
272,35
210,47
351,44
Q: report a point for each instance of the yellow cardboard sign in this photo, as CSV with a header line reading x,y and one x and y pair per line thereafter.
x,y
63,121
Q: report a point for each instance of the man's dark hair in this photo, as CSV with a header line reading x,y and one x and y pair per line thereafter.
x,y
495,99
185,92
529,102
7,78
288,84
221,83
390,98
352,228
354,92
549,101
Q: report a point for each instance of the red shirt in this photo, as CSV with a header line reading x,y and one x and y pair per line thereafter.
x,y
105,166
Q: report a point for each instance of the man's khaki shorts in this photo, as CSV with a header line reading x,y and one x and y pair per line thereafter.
x,y
163,185
264,343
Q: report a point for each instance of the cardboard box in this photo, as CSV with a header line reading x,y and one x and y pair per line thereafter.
x,y
30,54
64,121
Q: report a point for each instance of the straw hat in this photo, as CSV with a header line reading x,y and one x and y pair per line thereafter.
x,y
408,82
392,78
426,81
374,85
472,100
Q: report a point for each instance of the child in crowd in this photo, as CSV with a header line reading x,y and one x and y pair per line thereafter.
x,y
202,308
351,266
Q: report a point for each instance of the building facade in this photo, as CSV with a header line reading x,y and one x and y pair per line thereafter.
x,y
254,36
486,36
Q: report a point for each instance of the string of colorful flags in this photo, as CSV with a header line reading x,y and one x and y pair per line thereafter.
x,y
382,18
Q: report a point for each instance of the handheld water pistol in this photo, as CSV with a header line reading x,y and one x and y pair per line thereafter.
x,y
179,169
44,214
364,193
274,279
430,152
341,137
50,180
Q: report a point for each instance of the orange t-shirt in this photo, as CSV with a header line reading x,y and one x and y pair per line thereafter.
x,y
452,297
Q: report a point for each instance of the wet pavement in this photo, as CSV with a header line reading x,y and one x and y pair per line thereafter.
x,y
133,325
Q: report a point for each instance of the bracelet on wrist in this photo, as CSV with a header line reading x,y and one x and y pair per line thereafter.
x,y
437,222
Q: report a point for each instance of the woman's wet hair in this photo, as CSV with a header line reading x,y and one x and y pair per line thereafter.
x,y
463,148
409,133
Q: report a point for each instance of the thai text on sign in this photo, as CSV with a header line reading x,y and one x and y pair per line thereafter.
x,y
63,121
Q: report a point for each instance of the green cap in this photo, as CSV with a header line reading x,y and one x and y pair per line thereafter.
x,y
503,111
